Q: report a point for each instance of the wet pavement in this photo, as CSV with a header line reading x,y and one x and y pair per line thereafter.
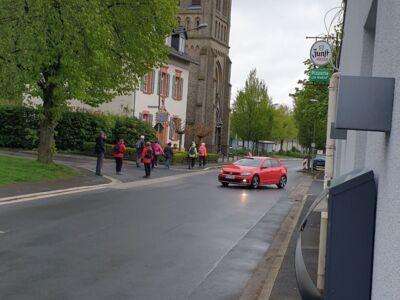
x,y
187,238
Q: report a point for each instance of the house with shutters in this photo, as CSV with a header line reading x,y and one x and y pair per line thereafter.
x,y
161,98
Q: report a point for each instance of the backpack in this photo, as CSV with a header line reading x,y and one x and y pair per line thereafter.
x,y
192,150
139,144
200,151
117,148
149,153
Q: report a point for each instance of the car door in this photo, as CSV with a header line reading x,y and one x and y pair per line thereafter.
x,y
266,173
276,171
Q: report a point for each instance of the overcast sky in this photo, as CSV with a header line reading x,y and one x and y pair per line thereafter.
x,y
269,35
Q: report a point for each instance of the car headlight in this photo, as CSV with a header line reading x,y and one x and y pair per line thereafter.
x,y
221,171
245,174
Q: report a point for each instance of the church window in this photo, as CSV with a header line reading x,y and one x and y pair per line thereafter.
x,y
187,23
196,2
225,7
218,4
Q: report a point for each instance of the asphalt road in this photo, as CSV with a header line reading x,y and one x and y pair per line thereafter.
x,y
183,239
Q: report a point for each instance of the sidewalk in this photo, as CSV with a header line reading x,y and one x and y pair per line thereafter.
x,y
285,287
86,166
275,277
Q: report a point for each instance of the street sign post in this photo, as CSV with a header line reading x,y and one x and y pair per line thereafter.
x,y
320,75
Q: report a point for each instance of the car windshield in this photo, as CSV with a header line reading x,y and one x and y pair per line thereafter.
x,y
320,157
248,162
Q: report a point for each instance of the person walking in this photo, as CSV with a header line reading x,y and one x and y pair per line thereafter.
x,y
202,155
192,154
147,157
139,149
157,152
168,154
100,149
118,149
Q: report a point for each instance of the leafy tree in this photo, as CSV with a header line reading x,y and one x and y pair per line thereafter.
x,y
89,50
284,126
252,114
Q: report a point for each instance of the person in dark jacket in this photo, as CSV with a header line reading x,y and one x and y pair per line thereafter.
x,y
168,153
147,157
139,149
100,149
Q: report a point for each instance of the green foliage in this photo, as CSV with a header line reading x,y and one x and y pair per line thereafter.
x,y
309,114
284,126
20,170
89,50
252,113
88,149
20,128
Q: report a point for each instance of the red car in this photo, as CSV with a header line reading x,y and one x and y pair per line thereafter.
x,y
254,171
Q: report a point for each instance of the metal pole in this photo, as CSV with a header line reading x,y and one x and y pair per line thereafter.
x,y
134,102
330,147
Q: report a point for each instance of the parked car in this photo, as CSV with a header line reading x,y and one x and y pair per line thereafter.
x,y
254,171
319,161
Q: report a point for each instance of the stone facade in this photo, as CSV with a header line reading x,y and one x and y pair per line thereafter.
x,y
209,78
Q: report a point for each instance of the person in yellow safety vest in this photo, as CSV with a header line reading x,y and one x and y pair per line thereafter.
x,y
192,155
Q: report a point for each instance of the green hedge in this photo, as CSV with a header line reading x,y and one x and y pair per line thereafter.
x,y
20,128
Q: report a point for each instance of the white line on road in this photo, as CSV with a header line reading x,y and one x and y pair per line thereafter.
x,y
114,185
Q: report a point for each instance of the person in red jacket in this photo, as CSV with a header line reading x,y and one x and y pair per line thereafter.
x,y
202,154
118,149
147,157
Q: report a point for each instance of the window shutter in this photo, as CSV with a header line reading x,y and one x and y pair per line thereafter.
x,y
168,84
159,83
151,120
171,128
174,87
153,75
181,88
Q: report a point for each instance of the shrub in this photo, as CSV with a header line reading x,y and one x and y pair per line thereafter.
x,y
19,127
88,149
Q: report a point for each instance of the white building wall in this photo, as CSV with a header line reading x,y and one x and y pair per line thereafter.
x,y
368,54
139,102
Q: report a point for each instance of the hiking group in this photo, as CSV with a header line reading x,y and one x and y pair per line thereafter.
x,y
146,152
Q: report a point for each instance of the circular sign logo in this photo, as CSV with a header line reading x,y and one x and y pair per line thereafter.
x,y
320,53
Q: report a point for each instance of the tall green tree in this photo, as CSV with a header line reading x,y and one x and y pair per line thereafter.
x,y
90,50
284,125
252,113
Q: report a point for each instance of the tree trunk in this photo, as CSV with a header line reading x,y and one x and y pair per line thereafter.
x,y
180,142
281,145
47,126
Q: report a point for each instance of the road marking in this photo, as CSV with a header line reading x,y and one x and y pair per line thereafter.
x,y
3,232
114,185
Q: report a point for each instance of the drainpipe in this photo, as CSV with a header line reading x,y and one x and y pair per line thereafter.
x,y
134,102
330,148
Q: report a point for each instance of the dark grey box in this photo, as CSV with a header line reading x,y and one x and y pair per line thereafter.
x,y
338,134
350,240
365,103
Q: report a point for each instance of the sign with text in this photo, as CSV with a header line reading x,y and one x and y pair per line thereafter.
x,y
320,53
320,75
161,116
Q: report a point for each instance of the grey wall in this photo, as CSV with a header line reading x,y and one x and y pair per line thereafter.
x,y
367,53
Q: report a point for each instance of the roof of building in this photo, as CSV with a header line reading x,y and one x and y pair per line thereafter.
x,y
181,56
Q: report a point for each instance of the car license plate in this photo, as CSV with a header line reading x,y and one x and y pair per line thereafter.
x,y
230,177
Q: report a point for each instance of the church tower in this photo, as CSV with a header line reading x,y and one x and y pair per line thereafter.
x,y
209,78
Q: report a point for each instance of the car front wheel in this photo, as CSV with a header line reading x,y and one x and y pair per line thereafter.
x,y
255,182
282,182
224,184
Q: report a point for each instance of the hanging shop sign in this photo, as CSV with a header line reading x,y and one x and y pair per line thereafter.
x,y
320,53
